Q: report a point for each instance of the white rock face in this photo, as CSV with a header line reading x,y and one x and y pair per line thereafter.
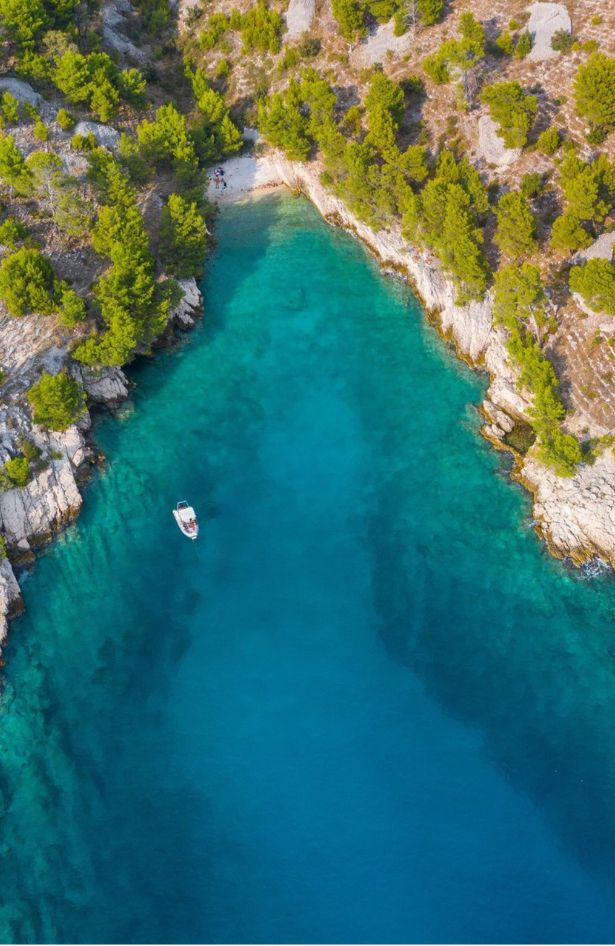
x,y
579,510
109,387
113,24
191,306
30,516
105,135
490,146
602,248
10,597
545,20
375,48
299,17
22,91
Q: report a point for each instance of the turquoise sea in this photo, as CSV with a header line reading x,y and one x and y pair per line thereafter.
x,y
366,706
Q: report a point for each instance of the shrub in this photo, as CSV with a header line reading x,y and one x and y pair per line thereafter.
x,y
13,169
594,89
532,184
562,41
505,43
65,120
18,471
523,45
12,232
57,401
9,108
72,308
429,11
568,233
261,29
84,142
595,282
512,109
516,230
349,15
27,283
41,132
548,141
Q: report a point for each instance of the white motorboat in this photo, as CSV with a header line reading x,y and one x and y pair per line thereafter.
x,y
185,517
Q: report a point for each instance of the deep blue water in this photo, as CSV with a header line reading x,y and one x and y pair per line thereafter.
x,y
365,706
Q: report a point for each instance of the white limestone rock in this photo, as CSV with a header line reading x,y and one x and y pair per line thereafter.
x,y
113,23
382,41
490,146
602,248
22,91
578,512
191,305
299,17
106,136
30,516
110,386
545,20
11,602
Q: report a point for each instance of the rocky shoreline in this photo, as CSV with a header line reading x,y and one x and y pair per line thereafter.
x,y
574,515
32,515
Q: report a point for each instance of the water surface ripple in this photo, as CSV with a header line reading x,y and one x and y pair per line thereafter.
x,y
365,706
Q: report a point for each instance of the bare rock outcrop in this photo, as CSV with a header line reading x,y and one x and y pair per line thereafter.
x,y
11,602
114,23
545,20
105,135
299,17
190,307
491,147
383,40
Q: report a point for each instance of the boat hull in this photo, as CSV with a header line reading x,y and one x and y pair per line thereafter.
x,y
190,534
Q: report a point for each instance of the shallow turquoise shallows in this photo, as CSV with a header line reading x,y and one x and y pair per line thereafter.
x,y
365,705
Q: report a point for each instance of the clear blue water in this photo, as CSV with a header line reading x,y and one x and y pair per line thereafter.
x,y
366,706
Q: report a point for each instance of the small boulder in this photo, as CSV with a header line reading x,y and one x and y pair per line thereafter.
x,y
602,248
382,41
299,17
491,147
545,20
106,136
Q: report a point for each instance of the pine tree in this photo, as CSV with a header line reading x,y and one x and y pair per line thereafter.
x,y
183,237
594,89
595,282
516,230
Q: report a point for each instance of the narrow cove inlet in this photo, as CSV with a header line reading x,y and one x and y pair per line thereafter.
x,y
365,706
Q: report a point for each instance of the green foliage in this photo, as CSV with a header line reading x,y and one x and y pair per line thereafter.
x,y
261,29
166,141
457,54
568,233
12,232
183,237
595,282
516,230
217,25
17,471
84,142
27,283
13,169
41,132
349,15
70,211
523,45
130,157
9,109
549,141
444,217
284,125
429,11
133,306
95,79
589,187
23,20
72,308
505,43
57,401
562,41
216,135
156,14
594,89
532,184
519,298
512,110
